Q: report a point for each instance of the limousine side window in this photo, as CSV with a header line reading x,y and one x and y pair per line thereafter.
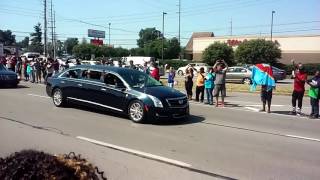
x,y
71,74
112,80
91,75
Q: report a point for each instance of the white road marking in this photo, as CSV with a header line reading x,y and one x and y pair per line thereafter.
x,y
253,109
138,153
301,137
35,95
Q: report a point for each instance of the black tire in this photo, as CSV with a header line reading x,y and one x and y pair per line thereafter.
x,y
136,111
246,81
180,73
58,98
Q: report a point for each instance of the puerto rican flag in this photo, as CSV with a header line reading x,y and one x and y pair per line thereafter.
x,y
262,75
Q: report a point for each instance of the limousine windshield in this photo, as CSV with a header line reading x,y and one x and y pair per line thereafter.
x,y
139,80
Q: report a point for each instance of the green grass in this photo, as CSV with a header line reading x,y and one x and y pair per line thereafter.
x,y
285,89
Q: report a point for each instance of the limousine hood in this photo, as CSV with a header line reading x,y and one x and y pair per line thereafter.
x,y
161,92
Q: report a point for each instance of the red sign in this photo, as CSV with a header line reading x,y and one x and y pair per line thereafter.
x,y
96,42
233,42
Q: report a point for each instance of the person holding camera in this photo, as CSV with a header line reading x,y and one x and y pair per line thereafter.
x,y
300,77
220,68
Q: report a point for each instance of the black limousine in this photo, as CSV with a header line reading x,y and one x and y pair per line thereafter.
x,y
121,90
8,78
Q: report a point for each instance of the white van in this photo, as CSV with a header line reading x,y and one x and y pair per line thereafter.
x,y
30,55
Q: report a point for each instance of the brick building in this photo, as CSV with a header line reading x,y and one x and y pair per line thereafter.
x,y
302,48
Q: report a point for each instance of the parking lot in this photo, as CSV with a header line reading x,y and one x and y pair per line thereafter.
x,y
235,142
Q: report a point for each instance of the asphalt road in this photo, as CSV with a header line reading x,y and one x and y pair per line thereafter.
x,y
232,142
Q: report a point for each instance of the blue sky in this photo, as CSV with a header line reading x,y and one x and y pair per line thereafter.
x,y
127,17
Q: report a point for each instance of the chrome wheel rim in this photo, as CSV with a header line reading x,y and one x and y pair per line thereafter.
x,y
136,111
57,97
247,81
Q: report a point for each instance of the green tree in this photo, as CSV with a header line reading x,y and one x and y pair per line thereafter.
x,y
173,49
24,43
154,48
36,45
84,51
258,51
121,52
70,43
59,47
137,52
147,35
7,38
84,41
217,51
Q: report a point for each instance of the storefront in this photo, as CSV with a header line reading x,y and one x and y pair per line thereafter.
x,y
302,48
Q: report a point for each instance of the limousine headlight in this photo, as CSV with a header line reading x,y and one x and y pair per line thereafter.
x,y
156,101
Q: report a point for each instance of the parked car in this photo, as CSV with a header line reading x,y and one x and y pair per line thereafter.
x,y
239,74
8,78
279,74
195,66
121,90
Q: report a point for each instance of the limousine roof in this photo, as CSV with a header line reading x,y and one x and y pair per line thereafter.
x,y
118,70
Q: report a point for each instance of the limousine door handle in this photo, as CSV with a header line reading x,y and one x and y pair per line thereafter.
x,y
62,82
80,85
103,89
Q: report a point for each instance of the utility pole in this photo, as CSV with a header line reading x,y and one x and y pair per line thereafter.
x,y
45,29
231,27
54,34
272,24
52,26
179,27
109,34
163,13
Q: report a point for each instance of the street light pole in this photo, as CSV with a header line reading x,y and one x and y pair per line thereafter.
x,y
163,13
109,34
272,23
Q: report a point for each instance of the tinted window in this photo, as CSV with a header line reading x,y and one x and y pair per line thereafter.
x,y
2,67
91,75
74,73
139,79
112,80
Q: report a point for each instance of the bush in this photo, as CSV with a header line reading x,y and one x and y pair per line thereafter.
x,y
174,63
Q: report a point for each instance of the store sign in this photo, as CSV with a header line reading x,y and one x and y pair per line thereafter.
x,y
233,42
96,33
1,50
96,42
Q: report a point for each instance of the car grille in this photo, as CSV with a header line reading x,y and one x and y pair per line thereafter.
x,y
177,102
7,77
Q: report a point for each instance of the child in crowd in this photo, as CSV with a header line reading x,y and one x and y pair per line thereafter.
x,y
200,85
28,72
209,85
171,77
314,95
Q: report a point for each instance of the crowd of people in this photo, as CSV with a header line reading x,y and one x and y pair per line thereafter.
x,y
36,70
213,83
